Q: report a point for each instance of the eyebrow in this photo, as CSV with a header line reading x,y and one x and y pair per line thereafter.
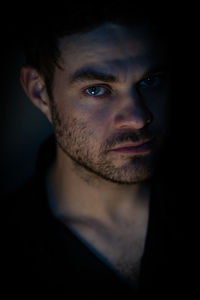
x,y
90,73
155,71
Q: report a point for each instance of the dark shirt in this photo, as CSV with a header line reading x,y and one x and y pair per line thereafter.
x,y
45,258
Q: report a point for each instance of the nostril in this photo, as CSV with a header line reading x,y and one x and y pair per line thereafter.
x,y
149,118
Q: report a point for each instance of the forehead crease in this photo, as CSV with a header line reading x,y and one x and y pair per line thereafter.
x,y
96,49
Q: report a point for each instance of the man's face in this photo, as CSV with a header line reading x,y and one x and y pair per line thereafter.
x,y
110,106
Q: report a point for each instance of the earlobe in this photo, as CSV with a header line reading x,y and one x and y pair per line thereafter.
x,y
34,87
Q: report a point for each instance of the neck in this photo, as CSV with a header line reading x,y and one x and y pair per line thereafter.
x,y
78,193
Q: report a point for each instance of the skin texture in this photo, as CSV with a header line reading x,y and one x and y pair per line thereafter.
x,y
103,194
87,127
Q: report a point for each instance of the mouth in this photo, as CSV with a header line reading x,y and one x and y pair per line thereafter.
x,y
140,147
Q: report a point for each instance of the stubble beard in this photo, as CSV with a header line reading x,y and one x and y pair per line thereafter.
x,y
78,142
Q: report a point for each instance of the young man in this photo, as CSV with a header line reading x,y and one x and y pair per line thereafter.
x,y
90,222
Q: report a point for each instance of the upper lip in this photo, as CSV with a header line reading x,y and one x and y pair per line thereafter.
x,y
131,144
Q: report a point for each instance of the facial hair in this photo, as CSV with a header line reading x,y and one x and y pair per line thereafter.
x,y
81,145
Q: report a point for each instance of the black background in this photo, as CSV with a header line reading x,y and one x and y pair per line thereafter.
x,y
23,127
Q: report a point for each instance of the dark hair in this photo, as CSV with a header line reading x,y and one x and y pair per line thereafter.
x,y
41,39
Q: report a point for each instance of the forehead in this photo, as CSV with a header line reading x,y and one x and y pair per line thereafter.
x,y
110,46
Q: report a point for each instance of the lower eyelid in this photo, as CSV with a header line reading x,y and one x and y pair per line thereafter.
x,y
107,91
157,82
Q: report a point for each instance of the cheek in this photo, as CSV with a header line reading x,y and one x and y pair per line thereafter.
x,y
96,113
84,128
101,123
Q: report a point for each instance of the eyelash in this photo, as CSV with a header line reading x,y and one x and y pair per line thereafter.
x,y
108,89
157,81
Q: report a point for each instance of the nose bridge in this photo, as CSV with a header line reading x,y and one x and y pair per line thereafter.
x,y
132,112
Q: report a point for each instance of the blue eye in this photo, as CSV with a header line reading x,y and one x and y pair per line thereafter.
x,y
150,82
96,91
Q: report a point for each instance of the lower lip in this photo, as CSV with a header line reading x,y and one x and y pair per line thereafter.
x,y
146,147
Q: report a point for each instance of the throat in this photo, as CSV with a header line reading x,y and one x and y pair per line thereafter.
x,y
113,221
130,271
121,246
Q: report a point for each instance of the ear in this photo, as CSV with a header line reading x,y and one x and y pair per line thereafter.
x,y
35,88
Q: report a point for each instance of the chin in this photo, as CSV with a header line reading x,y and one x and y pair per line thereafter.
x,y
137,171
134,179
128,175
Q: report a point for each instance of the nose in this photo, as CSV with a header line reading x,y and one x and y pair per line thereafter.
x,y
132,113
